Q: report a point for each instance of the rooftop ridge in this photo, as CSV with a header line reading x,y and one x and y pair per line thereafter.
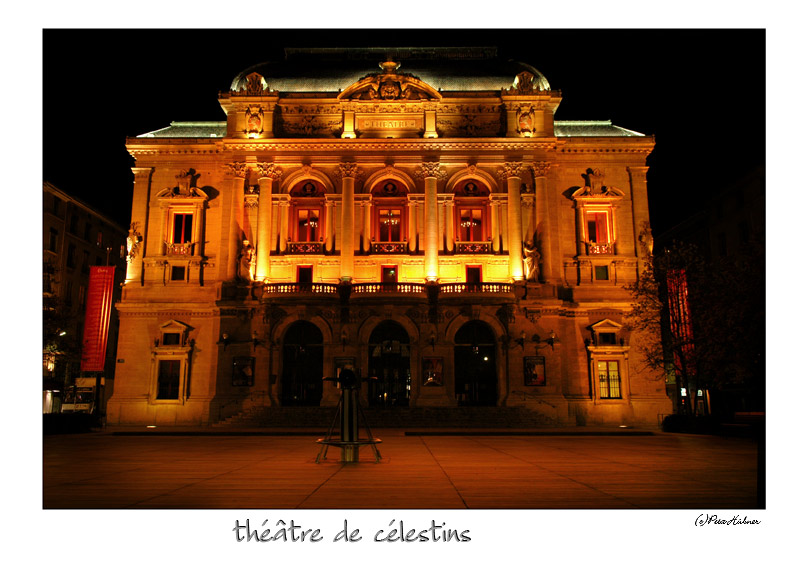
x,y
373,53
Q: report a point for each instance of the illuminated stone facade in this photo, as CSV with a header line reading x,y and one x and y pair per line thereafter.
x,y
423,219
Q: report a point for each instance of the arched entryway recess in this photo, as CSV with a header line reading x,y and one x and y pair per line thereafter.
x,y
302,377
475,364
389,363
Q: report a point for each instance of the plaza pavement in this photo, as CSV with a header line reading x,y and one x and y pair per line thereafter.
x,y
251,469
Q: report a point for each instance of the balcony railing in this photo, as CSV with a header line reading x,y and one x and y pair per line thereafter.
x,y
473,247
487,288
408,288
185,249
293,288
388,247
305,248
600,248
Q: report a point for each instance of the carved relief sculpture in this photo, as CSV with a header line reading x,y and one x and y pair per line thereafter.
x,y
255,120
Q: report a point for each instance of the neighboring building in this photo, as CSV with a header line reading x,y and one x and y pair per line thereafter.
x,y
416,213
75,238
729,230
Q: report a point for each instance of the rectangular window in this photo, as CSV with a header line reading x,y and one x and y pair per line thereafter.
x,y
471,224
308,223
99,240
601,272
71,256
168,379
87,230
607,338
183,228
53,240
609,379
390,224
57,205
597,227
171,339
74,224
69,294
178,273
85,261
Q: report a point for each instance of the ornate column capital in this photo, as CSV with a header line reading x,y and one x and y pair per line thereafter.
x,y
237,169
348,170
430,169
510,169
268,171
639,172
541,168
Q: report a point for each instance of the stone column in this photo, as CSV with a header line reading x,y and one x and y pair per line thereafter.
x,y
136,244
540,171
448,207
495,230
512,173
231,210
267,173
328,231
283,224
412,221
367,213
430,173
348,172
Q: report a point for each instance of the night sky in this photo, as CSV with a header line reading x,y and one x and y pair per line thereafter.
x,y
701,93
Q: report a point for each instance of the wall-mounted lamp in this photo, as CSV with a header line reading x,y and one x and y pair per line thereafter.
x,y
225,339
255,340
550,340
432,339
521,340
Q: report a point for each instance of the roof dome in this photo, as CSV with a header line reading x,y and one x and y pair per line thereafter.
x,y
444,68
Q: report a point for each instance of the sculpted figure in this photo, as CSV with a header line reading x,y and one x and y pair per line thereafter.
x,y
246,264
531,261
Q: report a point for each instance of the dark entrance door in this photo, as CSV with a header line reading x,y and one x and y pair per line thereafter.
x,y
475,364
302,377
389,363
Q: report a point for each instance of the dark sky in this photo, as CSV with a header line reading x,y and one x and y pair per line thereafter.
x,y
701,93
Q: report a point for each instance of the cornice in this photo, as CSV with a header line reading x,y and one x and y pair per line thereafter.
x,y
400,144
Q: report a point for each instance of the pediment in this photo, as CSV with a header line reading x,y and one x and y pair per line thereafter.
x,y
603,193
606,325
174,326
389,85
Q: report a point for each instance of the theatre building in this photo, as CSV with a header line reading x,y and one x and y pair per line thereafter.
x,y
416,214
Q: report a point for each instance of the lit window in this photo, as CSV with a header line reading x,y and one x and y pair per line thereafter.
x,y
609,379
183,228
470,224
390,224
597,227
308,224
99,240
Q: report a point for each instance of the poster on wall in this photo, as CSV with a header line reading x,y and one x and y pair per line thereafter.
x,y
432,371
534,370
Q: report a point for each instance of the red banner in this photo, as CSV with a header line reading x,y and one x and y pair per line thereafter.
x,y
96,318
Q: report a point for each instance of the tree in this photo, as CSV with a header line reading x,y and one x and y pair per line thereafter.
x,y
710,316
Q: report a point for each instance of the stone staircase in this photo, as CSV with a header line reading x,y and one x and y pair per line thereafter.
x,y
412,418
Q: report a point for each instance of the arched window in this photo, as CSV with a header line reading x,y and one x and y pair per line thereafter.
x,y
389,218
306,217
472,216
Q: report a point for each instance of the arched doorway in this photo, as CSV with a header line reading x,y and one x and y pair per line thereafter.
x,y
302,377
475,364
389,363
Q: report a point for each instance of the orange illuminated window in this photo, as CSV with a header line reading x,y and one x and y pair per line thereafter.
x,y
470,224
389,224
182,228
609,379
597,227
308,224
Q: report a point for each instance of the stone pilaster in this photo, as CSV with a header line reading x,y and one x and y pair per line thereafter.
x,y
237,173
430,172
138,227
512,173
348,172
639,203
267,174
412,221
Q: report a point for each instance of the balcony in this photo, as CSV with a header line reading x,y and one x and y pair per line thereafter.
x,y
185,249
476,288
300,288
305,248
388,247
365,289
600,248
473,247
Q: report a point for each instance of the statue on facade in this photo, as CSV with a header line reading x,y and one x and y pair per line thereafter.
x,y
531,261
594,181
133,240
246,261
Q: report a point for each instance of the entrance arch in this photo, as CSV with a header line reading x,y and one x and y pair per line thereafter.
x,y
302,377
389,363
475,364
